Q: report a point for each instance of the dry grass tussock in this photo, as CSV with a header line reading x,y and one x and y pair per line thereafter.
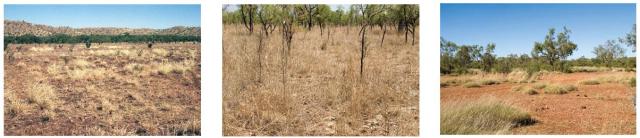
x,y
321,92
559,88
485,116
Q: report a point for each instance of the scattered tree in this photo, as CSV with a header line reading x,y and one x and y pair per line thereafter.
x,y
630,39
608,52
554,49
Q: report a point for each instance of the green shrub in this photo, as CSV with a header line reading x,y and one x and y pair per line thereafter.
x,y
632,82
481,117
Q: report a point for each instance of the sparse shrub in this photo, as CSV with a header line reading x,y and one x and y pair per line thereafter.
x,y
87,44
481,117
590,82
471,85
632,82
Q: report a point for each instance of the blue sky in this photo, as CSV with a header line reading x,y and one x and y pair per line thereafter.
x,y
515,27
131,16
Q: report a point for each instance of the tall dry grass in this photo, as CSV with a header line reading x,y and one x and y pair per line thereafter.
x,y
324,93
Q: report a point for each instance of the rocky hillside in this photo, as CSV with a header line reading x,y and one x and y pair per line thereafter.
x,y
17,28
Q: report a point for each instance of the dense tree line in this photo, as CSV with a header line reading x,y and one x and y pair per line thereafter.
x,y
550,54
65,38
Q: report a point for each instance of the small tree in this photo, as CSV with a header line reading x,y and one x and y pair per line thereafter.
x,y
630,39
554,49
447,59
608,52
247,13
488,59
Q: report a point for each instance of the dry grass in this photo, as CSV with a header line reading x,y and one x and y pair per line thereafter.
x,y
83,74
471,85
524,89
540,85
43,95
105,90
559,88
486,116
166,68
324,93
589,82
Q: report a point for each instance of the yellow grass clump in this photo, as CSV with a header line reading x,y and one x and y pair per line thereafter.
x,y
42,94
559,88
486,116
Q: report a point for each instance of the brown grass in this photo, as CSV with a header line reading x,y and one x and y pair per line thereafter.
x,y
324,93
106,90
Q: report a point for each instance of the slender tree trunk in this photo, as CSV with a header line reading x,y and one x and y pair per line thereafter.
x,y
362,49
384,32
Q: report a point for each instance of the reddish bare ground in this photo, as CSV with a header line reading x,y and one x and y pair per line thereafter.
x,y
593,109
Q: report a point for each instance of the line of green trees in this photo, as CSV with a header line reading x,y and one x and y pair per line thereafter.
x,y
403,16
65,38
550,54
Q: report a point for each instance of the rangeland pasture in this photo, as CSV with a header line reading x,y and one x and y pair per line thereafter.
x,y
319,91
108,89
599,102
